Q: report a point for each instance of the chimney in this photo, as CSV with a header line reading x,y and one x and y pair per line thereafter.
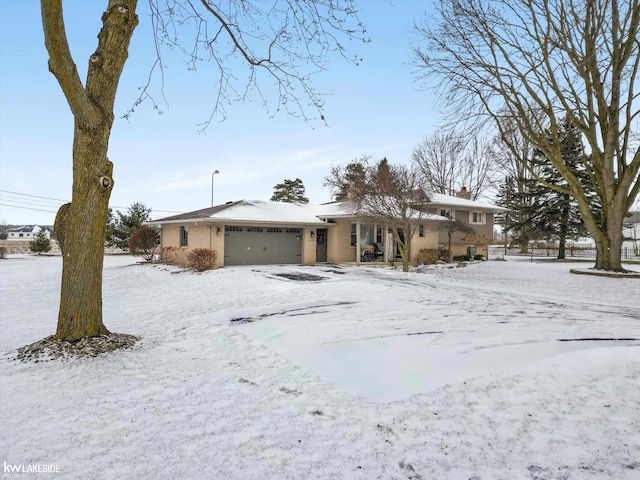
x,y
464,193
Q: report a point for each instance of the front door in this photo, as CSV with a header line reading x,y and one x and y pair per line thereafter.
x,y
321,245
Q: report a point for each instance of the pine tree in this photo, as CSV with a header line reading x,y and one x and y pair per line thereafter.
x,y
40,243
290,191
556,215
127,223
515,194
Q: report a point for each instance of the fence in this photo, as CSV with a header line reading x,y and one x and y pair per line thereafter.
x,y
495,253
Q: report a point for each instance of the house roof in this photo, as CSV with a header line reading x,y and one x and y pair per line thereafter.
x,y
252,211
457,202
260,211
27,229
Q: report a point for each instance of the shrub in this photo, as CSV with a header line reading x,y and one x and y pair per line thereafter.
x,y
168,254
201,259
478,256
461,258
143,242
40,243
426,256
3,251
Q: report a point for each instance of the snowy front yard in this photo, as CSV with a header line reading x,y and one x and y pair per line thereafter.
x,y
484,372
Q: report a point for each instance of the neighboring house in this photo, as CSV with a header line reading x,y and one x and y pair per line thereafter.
x,y
261,233
26,232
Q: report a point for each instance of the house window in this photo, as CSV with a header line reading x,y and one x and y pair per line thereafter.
x,y
354,235
477,217
184,236
366,234
445,212
421,231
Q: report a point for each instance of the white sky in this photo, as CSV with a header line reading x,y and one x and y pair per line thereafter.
x,y
162,160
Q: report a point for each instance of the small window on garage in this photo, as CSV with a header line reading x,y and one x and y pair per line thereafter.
x,y
254,229
274,230
184,236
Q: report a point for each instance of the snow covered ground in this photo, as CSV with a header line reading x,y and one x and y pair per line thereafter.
x,y
366,373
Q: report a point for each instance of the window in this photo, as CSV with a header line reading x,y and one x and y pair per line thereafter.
x,y
184,236
378,234
366,234
354,235
477,217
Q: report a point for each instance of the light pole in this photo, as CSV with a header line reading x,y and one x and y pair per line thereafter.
x,y
212,175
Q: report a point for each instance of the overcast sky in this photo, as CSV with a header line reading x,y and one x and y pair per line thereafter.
x,y
163,160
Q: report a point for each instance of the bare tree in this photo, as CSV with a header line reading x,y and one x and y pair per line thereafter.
x,y
561,58
284,42
389,195
452,227
450,160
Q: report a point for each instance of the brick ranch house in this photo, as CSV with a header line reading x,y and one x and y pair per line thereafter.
x,y
254,232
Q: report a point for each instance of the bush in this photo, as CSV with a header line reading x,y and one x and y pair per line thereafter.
x,y
461,258
40,243
201,259
478,256
143,242
426,256
3,251
169,254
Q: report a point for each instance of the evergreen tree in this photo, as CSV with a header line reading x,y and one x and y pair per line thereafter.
x,y
40,243
341,178
290,191
515,194
556,214
127,223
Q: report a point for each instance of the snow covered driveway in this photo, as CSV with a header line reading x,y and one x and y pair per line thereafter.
x,y
480,372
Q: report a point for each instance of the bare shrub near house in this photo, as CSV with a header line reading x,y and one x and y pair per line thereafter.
x,y
201,259
169,254
426,256
144,242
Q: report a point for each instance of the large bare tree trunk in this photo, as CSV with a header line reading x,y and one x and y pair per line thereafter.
x,y
80,225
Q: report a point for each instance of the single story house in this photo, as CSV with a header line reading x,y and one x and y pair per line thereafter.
x,y
254,232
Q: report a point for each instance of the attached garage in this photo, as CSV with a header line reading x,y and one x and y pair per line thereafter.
x,y
255,245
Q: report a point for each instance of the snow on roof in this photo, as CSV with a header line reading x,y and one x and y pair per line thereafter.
x,y
260,211
449,200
